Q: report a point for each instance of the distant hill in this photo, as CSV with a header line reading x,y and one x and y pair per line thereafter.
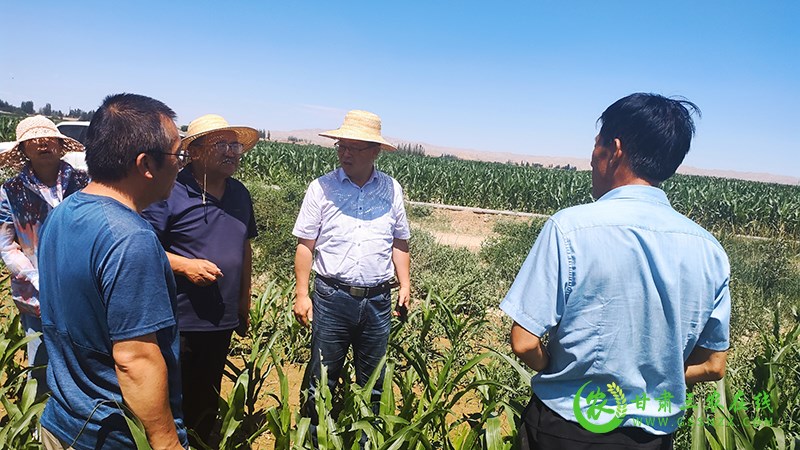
x,y
311,136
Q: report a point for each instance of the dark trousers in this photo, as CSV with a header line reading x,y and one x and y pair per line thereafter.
x,y
341,320
203,356
543,429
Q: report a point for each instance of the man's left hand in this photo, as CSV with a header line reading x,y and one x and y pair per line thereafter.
x,y
244,324
403,302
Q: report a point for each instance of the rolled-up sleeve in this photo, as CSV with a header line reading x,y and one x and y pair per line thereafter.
x,y
538,296
309,220
401,228
716,333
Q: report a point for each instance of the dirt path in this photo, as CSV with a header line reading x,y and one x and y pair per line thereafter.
x,y
466,229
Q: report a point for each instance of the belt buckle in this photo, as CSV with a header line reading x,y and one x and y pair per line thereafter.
x,y
357,291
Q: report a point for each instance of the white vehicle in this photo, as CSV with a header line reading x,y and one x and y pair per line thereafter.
x,y
76,130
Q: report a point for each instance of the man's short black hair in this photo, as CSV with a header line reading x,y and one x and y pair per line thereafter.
x,y
124,126
655,132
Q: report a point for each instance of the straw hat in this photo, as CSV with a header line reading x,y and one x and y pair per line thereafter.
x,y
33,128
212,123
360,126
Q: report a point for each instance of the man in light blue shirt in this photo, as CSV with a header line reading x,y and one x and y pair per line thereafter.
x,y
627,290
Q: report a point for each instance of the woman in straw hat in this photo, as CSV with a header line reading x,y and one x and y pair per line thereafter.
x,y
25,200
206,226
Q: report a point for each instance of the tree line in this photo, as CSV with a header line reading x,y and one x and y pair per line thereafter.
x,y
27,108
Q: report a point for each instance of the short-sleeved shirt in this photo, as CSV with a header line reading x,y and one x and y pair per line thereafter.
x,y
626,287
216,231
104,278
354,226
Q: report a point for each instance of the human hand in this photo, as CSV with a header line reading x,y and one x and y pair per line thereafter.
x,y
244,324
403,302
28,308
201,272
303,309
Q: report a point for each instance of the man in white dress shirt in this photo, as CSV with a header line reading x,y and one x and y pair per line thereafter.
x,y
355,220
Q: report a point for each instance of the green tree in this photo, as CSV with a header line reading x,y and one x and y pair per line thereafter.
x,y
27,107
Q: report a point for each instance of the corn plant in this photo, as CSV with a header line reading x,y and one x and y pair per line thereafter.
x,y
19,427
775,376
21,408
8,127
279,417
433,378
271,326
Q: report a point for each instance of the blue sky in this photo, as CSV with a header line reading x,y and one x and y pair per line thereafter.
x,y
523,77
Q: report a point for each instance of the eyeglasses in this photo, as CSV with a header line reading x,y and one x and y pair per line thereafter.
x,y
223,147
181,155
341,146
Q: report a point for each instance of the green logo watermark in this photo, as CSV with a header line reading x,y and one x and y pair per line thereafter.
x,y
597,405
598,408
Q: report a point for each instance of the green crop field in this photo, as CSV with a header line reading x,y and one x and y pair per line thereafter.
x,y
452,381
744,207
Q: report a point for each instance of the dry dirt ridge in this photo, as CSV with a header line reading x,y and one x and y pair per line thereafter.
x,y
460,226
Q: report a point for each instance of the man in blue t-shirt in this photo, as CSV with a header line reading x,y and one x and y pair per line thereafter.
x,y
205,227
107,290
632,295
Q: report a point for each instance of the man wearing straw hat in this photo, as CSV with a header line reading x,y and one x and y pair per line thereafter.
x,y
206,226
25,201
107,290
352,230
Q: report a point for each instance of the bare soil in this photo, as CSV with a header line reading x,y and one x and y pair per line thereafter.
x,y
461,228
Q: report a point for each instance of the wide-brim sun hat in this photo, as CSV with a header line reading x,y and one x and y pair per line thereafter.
x,y
213,123
360,126
33,128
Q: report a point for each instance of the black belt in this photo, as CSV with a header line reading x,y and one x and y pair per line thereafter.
x,y
361,291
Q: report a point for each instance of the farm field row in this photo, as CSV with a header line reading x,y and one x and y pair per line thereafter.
x,y
744,207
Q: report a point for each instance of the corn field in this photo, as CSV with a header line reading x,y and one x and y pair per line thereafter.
x,y
443,389
451,381
743,207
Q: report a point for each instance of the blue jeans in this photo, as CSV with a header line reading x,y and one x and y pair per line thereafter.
x,y
341,320
37,354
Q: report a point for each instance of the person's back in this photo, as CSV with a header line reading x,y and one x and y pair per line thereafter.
x,y
89,244
639,277
623,295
